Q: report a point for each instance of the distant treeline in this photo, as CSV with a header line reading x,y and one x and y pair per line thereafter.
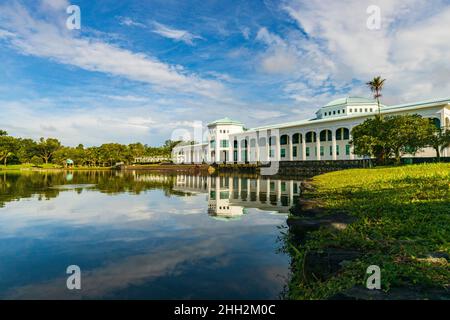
x,y
21,150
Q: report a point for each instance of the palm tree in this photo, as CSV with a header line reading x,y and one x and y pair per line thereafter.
x,y
376,85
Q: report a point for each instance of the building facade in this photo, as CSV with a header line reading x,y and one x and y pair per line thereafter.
x,y
325,137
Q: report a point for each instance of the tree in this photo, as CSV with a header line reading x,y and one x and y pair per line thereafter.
x,y
438,139
376,85
47,147
392,136
8,147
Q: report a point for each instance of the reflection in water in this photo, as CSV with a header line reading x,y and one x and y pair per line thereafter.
x,y
141,235
228,196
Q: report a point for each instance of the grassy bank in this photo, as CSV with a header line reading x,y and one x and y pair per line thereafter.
x,y
402,225
49,166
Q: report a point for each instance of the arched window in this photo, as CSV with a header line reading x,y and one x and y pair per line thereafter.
x,y
325,135
284,140
235,144
342,134
244,143
296,138
310,137
436,122
272,141
253,143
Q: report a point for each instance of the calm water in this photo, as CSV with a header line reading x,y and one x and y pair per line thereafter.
x,y
142,235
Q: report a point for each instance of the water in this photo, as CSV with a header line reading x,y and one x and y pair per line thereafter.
x,y
143,235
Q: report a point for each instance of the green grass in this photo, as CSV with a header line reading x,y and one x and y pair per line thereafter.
x,y
29,166
403,216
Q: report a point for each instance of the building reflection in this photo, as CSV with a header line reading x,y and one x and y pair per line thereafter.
x,y
229,196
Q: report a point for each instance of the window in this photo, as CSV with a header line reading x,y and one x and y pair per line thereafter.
x,y
295,138
272,186
334,112
322,152
343,110
331,150
224,143
350,110
235,156
360,109
271,153
365,110
213,144
325,113
371,109
294,151
307,151
283,140
295,187
283,187
235,144
337,150
339,111
283,153
347,149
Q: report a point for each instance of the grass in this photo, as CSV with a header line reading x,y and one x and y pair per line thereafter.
x,y
403,226
29,166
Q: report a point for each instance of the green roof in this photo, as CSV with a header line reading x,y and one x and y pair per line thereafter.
x,y
225,120
349,100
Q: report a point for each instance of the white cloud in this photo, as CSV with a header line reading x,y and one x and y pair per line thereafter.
x,y
175,34
127,21
53,41
411,49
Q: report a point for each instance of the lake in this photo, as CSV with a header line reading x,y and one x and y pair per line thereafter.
x,y
141,235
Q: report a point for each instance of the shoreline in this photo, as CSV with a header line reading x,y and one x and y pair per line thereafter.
x,y
348,220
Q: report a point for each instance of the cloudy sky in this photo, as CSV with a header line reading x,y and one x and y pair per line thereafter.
x,y
140,70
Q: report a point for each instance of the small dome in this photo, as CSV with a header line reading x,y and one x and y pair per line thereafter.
x,y
350,100
225,120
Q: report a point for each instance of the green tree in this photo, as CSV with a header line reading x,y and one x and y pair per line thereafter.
x,y
8,147
391,136
376,85
438,139
47,147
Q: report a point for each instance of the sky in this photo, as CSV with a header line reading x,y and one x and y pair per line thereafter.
x,y
147,70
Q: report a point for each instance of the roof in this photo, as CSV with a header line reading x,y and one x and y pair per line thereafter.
x,y
350,101
422,104
225,120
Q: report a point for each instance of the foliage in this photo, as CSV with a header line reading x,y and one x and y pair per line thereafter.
x,y
392,136
402,222
50,150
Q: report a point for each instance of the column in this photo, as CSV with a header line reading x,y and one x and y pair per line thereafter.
x,y
239,151
291,148
277,147
217,149
231,150
268,191
303,146
318,145
333,143
352,155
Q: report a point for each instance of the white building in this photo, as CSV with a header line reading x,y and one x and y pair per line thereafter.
x,y
325,137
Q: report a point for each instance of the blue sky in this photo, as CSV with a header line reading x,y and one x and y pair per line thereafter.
x,y
141,70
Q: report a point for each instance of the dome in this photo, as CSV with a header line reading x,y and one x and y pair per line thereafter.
x,y
225,120
350,101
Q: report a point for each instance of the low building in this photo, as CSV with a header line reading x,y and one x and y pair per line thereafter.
x,y
325,137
